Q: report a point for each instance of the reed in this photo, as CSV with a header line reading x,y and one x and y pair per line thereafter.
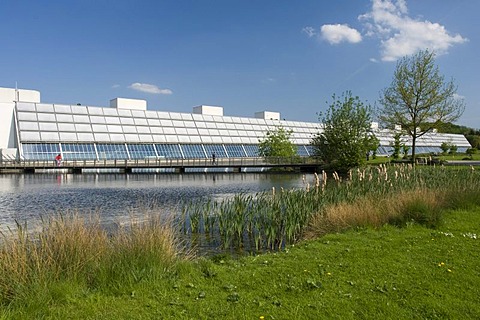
x,y
369,196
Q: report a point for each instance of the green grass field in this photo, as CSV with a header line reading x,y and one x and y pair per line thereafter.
x,y
392,273
389,242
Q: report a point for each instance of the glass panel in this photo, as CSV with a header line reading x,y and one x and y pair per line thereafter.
x,y
216,149
251,149
40,151
141,151
78,151
170,151
235,150
302,151
107,151
193,151
310,150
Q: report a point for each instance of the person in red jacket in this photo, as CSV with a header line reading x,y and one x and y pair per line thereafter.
x,y
58,158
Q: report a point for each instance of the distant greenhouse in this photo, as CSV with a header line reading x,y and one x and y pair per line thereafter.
x,y
32,130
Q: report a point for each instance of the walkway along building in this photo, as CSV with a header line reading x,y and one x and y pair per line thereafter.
x,y
32,130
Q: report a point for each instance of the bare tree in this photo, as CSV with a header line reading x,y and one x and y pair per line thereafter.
x,y
418,98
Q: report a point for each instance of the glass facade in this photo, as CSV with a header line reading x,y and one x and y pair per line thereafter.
x,y
78,151
216,149
170,151
132,151
235,151
40,151
107,151
302,151
141,151
310,150
193,151
251,150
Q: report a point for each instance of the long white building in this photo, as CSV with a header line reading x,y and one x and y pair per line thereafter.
x,y
32,130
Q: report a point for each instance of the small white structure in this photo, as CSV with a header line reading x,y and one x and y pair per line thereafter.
x,y
267,115
131,104
208,110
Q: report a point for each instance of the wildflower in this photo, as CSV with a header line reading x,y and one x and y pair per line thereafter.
x,y
449,270
262,318
329,274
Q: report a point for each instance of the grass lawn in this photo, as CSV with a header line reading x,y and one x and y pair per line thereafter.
x,y
456,157
388,273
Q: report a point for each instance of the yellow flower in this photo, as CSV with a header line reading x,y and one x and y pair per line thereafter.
x,y
262,317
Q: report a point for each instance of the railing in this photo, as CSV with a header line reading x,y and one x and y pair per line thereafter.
x,y
164,163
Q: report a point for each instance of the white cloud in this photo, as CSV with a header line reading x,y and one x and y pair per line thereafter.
x,y
309,31
149,88
399,34
402,35
337,33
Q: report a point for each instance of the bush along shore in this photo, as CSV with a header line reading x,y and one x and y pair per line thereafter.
x,y
387,241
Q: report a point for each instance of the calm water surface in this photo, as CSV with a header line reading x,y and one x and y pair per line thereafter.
x,y
28,198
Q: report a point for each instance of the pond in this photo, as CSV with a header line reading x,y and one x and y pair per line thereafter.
x,y
27,198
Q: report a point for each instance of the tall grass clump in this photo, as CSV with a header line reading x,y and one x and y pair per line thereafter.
x,y
421,206
75,249
395,194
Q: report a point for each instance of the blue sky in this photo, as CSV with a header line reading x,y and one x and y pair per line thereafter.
x,y
245,55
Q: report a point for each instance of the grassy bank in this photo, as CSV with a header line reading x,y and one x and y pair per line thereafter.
x,y
412,272
390,242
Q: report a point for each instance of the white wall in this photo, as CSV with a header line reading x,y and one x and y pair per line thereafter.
x,y
11,94
7,127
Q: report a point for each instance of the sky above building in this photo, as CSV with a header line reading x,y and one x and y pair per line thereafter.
x,y
245,55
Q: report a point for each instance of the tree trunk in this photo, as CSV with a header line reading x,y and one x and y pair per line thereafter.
x,y
414,139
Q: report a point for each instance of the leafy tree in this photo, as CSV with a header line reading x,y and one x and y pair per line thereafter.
x,y
471,152
453,149
405,150
346,135
397,145
445,146
474,140
418,98
374,145
276,143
